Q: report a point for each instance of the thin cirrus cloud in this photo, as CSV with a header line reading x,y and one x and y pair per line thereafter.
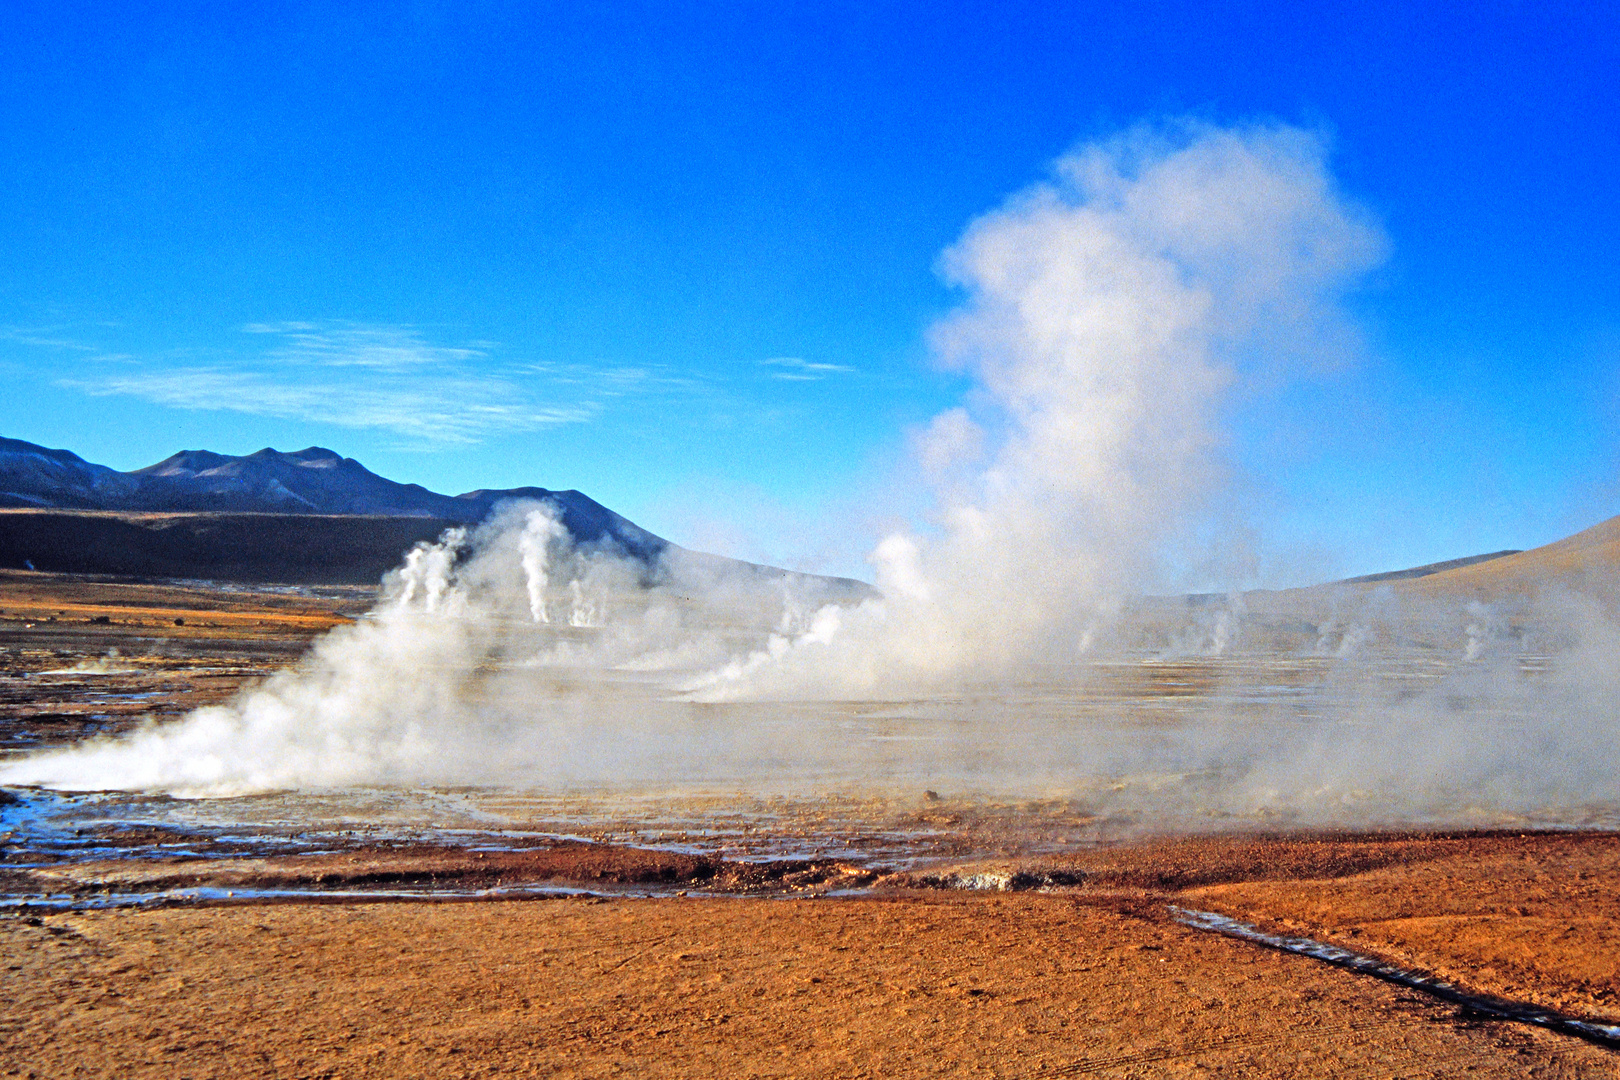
x,y
379,348
795,369
388,378
41,338
439,410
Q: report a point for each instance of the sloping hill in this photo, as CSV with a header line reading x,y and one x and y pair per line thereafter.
x,y
1588,561
291,549
35,476
1425,570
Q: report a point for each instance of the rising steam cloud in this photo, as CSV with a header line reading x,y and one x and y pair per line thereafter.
x,y
1109,311
1108,314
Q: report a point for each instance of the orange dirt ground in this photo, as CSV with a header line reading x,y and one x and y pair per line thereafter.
x,y
64,611
915,986
1534,918
1092,978
175,647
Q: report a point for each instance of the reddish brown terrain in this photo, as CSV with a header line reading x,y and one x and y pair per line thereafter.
x,y
684,964
911,984
141,649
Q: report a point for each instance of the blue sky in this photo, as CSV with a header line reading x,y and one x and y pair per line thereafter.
x,y
686,261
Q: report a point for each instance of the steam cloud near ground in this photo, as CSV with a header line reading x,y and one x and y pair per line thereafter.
x,y
1109,313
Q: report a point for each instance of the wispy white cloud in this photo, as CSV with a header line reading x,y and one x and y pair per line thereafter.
x,y
277,327
453,410
610,381
45,338
796,369
390,378
391,348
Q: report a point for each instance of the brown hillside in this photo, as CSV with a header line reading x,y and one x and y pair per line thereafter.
x,y
350,549
1589,561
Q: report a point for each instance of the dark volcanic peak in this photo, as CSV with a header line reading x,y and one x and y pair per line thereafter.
x,y
206,462
310,481
186,463
588,520
33,475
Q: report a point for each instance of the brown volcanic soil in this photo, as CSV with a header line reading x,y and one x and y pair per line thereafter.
x,y
914,986
354,549
88,655
567,863
1091,979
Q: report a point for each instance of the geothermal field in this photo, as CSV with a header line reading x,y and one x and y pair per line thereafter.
x,y
523,810
1032,803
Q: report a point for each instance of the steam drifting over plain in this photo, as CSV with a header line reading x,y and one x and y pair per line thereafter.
x,y
1108,315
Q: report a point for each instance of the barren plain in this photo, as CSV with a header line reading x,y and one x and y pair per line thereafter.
x,y
1012,939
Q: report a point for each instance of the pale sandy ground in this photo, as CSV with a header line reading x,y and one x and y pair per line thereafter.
x,y
1588,561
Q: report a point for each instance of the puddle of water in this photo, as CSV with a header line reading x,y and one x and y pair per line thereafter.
x,y
42,828
216,897
1499,1008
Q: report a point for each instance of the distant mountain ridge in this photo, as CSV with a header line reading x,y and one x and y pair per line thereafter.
x,y
310,481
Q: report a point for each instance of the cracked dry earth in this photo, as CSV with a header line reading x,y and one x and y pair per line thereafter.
x,y
906,985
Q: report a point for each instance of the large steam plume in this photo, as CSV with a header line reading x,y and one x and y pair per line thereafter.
x,y
1109,313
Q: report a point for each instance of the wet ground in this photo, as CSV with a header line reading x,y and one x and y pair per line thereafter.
x,y
711,933
84,656
907,983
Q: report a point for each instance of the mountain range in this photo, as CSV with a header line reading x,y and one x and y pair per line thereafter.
x,y
306,517
315,516
304,482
